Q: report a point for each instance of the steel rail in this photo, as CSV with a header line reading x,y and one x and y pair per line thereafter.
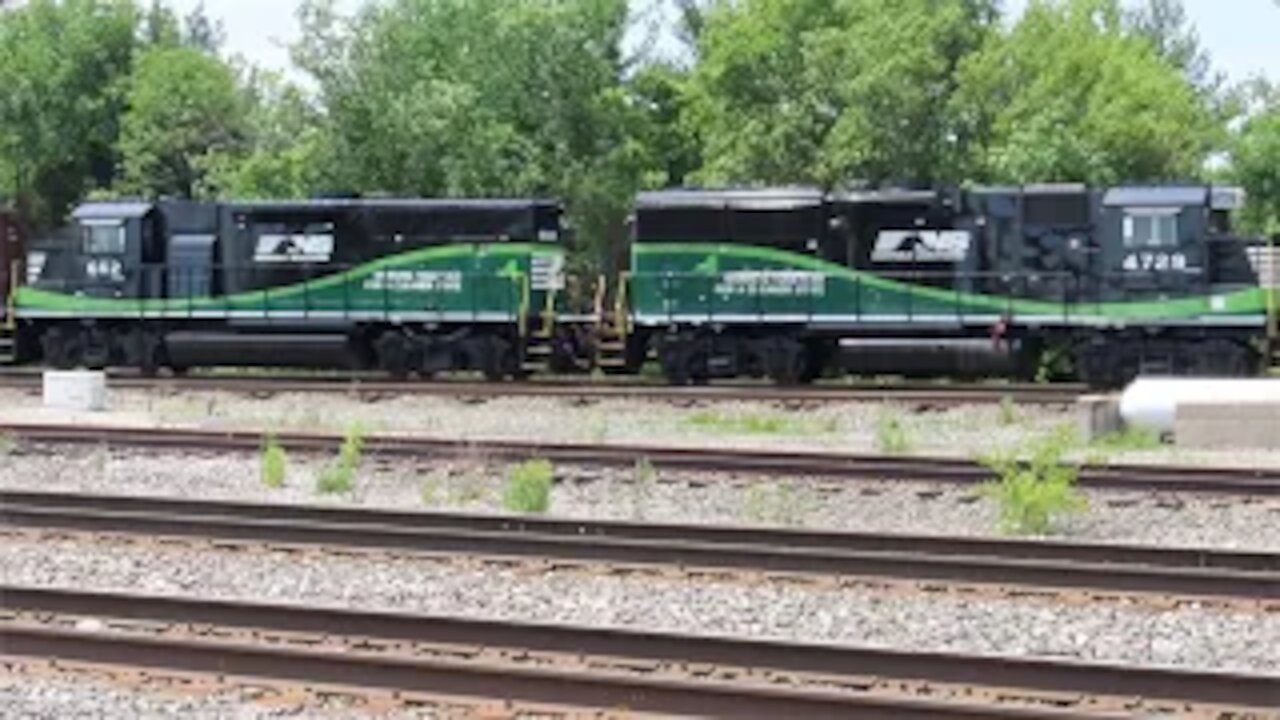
x,y
648,653
948,395
795,538
775,463
1041,565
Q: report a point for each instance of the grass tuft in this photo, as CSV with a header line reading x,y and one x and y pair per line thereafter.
x,y
274,463
1035,485
760,423
528,487
774,504
891,435
339,476
1008,412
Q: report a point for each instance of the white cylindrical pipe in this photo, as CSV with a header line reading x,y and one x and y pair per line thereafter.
x,y
1153,402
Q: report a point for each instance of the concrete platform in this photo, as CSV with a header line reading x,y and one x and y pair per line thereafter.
x,y
75,390
1228,425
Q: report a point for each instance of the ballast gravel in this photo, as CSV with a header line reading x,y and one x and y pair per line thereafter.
x,y
83,696
848,426
1210,638
641,494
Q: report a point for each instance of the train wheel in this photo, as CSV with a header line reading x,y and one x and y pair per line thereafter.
x,y
62,349
392,350
787,361
498,360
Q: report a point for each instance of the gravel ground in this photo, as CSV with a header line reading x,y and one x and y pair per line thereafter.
x,y
475,485
822,426
845,427
88,696
1211,638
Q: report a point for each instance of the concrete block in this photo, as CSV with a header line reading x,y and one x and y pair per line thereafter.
x,y
75,390
1238,425
1098,416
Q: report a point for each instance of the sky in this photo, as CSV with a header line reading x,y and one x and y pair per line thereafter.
x,y
1241,35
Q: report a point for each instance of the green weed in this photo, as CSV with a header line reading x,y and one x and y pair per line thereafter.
x,y
339,476
774,504
891,435
642,487
1008,411
274,464
760,423
1035,485
528,487
8,445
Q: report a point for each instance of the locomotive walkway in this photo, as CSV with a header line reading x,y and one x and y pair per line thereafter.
x,y
587,667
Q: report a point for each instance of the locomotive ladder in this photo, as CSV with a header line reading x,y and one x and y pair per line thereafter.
x,y
8,338
612,327
1268,268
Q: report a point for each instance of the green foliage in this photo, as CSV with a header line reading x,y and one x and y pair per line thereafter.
x,y
774,504
64,66
274,463
1255,159
759,423
1008,411
287,148
789,91
1035,485
1130,439
1104,107
528,487
482,97
339,476
184,107
891,435
642,487
8,445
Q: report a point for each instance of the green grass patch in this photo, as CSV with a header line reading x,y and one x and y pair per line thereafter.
x,y
1008,411
273,463
528,488
1035,485
759,423
339,476
774,504
891,435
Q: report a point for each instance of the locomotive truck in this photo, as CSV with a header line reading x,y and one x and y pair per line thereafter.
x,y
1097,284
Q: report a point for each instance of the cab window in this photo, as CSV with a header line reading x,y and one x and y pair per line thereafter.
x,y
104,238
1151,228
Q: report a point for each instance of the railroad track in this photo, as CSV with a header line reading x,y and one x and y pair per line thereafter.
x,y
1165,478
594,667
373,385
1193,573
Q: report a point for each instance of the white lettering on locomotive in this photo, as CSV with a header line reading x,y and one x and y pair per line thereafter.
x,y
772,282
1155,262
449,281
926,246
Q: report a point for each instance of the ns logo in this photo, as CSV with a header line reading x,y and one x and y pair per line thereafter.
x,y
923,246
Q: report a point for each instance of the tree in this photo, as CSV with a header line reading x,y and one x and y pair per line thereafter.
x,y
481,97
1255,160
63,71
828,91
286,152
1103,107
184,107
